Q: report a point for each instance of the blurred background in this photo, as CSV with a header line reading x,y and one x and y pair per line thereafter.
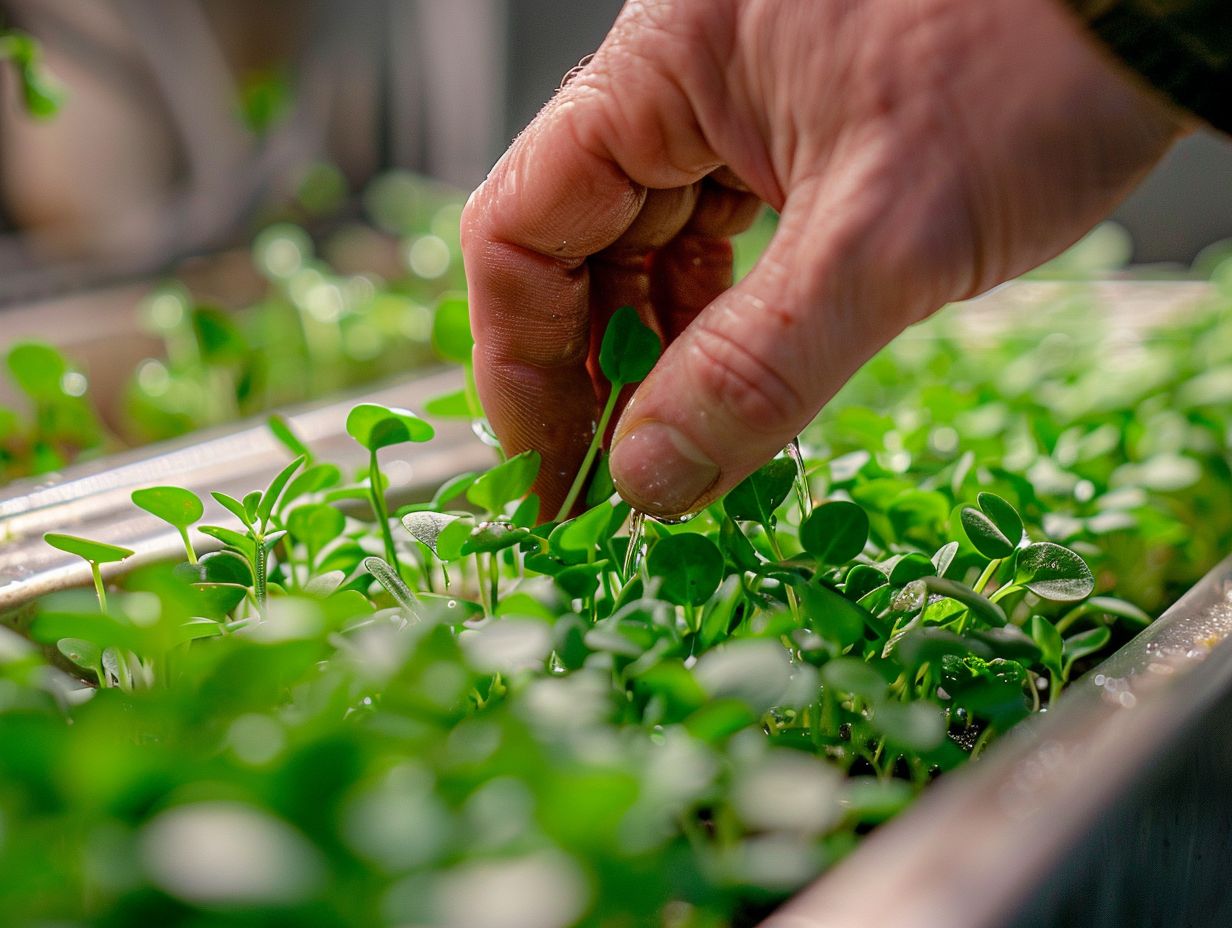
x,y
187,122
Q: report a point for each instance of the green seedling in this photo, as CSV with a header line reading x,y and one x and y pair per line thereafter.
x,y
176,506
376,427
94,553
626,356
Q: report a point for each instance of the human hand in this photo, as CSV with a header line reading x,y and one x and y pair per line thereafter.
x,y
918,153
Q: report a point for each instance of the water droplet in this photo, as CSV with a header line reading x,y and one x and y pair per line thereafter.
x,y
675,520
484,433
633,554
803,497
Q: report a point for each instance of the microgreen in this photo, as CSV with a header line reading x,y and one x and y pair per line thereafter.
x,y
94,553
376,427
550,719
176,506
627,354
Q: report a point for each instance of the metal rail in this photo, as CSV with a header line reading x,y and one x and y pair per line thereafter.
x,y
94,499
1111,809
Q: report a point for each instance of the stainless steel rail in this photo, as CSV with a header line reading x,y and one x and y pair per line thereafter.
x,y
1111,809
94,499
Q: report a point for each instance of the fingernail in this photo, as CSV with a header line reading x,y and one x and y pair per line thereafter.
x,y
659,470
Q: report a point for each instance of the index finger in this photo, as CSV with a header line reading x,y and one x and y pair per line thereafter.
x,y
564,191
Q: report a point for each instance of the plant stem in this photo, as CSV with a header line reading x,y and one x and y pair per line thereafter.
x,y
793,604
188,548
97,573
982,741
591,453
259,586
987,575
1071,617
381,513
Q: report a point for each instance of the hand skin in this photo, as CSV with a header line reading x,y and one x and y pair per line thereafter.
x,y
919,152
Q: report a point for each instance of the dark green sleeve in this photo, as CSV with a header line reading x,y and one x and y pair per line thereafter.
x,y
1183,47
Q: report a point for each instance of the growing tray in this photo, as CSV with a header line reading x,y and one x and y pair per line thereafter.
x,y
1110,809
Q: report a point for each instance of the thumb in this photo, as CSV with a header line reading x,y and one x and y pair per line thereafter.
x,y
748,373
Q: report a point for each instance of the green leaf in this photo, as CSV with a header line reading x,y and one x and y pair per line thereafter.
x,y
96,552
756,497
505,482
582,534
1003,515
836,532
985,535
451,329
916,726
426,527
452,405
1053,572
833,616
851,675
38,369
393,584
629,349
315,525
945,557
1085,643
690,567
375,426
490,537
233,506
269,499
1119,608
452,489
281,429
913,566
453,538
174,505
979,605
736,545
85,654
224,567
230,538
312,479
753,670
252,503
601,487
1051,646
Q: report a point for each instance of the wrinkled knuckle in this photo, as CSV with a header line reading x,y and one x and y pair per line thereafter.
x,y
745,386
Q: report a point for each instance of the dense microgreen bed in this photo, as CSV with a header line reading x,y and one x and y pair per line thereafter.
x,y
463,717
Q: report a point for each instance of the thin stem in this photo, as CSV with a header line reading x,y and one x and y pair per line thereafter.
x,y
381,513
987,575
982,741
591,453
97,573
1072,616
259,578
188,548
793,603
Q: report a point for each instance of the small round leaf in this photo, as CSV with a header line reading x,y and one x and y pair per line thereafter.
x,y
375,426
174,505
835,532
96,552
690,567
629,350
1054,572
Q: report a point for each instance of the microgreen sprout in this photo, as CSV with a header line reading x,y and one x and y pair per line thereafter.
x,y
627,354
